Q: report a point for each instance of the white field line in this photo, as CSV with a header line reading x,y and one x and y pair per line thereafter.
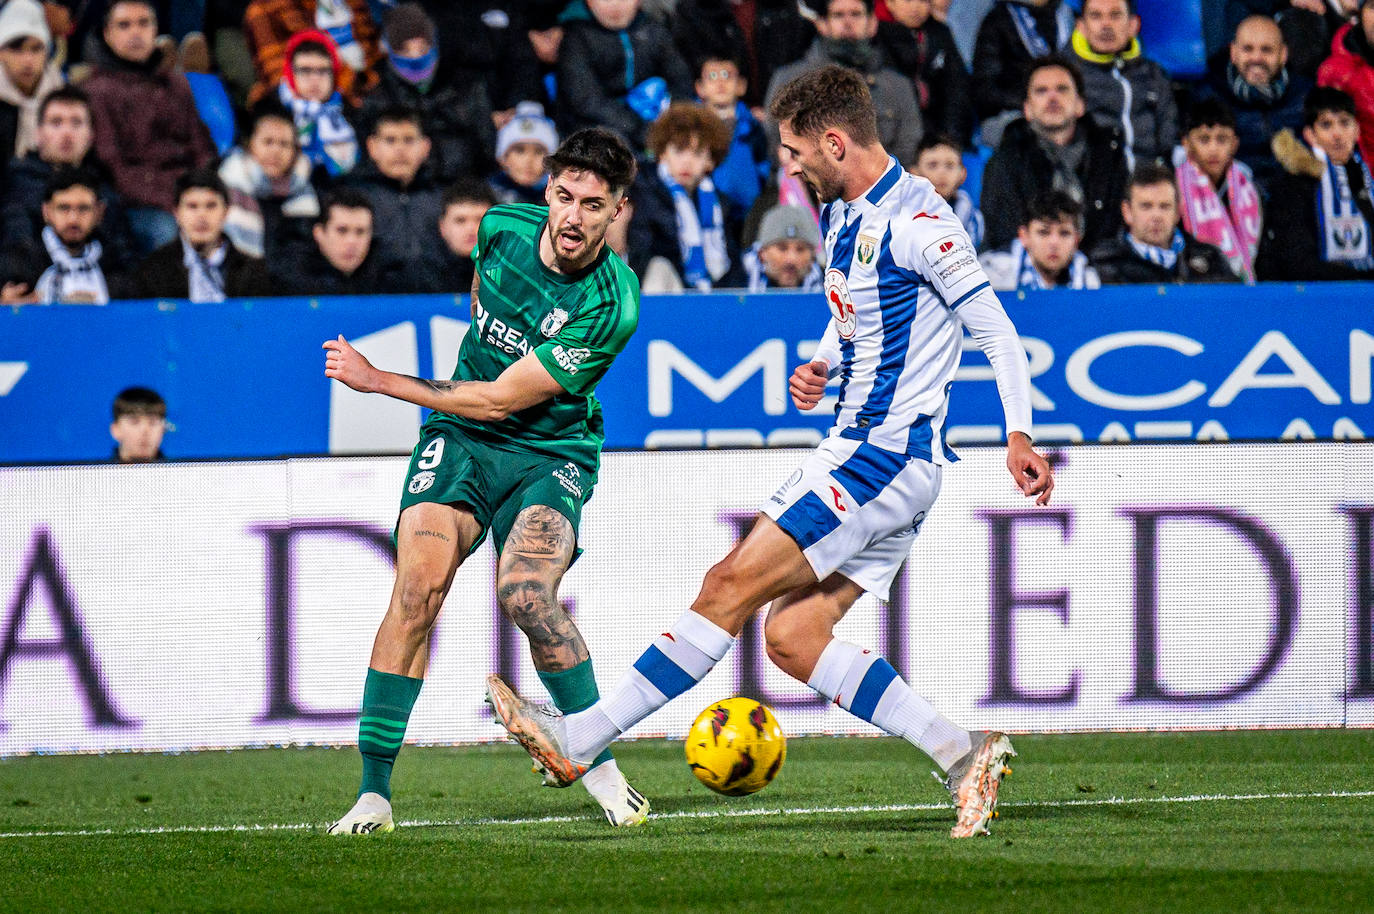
x,y
697,814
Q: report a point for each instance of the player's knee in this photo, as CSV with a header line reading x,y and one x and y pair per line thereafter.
x,y
418,600
781,642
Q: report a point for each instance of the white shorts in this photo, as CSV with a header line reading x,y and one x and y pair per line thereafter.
x,y
855,508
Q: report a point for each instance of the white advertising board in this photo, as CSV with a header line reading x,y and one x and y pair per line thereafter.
x,y
182,606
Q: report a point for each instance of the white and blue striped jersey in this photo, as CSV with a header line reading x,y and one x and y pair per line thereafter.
x,y
902,280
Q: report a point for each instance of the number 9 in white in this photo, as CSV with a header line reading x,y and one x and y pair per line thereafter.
x,y
431,455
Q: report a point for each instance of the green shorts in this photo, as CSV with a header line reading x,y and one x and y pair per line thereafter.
x,y
494,483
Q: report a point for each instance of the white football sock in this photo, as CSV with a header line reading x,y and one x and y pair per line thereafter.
x,y
867,686
677,660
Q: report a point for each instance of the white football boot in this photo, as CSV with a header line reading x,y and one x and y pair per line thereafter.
x,y
372,813
973,782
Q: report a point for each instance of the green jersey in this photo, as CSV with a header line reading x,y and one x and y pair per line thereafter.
x,y
575,325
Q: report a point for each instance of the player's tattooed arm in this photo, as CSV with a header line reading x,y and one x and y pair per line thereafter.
x,y
536,554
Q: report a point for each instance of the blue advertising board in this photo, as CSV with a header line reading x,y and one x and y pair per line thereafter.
x,y
245,378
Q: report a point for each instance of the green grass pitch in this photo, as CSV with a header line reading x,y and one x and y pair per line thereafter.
x,y
1240,821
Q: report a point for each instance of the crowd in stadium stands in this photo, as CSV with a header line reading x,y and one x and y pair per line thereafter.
x,y
219,148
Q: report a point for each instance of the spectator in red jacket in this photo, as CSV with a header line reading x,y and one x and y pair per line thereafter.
x,y
146,127
1350,68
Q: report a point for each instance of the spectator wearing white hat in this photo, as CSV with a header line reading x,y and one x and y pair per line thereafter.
x,y
521,147
784,256
27,74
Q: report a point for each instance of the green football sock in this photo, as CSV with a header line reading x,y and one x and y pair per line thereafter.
x,y
387,700
574,690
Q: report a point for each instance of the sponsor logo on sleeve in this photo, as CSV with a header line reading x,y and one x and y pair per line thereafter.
x,y
951,259
421,481
569,358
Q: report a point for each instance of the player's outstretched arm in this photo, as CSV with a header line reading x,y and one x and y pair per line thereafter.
x,y
1031,471
522,385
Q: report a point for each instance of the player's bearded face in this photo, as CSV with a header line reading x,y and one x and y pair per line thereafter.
x,y
810,163
581,208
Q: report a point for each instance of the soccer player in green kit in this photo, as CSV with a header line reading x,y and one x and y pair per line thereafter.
x,y
512,447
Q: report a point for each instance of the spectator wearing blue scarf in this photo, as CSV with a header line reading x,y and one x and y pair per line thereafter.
x,y
742,173
679,237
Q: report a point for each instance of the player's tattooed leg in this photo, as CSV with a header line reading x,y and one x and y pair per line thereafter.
x,y
536,554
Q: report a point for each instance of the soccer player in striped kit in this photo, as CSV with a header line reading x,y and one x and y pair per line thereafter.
x,y
902,282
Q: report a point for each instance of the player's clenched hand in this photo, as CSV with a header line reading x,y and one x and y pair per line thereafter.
x,y
344,363
808,384
1031,471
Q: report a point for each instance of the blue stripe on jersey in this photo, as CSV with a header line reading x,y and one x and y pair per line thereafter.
x,y
969,294
666,676
825,220
897,297
867,472
885,183
841,259
808,520
871,689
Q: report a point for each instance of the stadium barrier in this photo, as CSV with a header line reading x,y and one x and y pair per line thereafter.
x,y
196,605
245,378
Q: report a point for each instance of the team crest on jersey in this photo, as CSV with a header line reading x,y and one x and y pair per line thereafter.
x,y
841,304
421,481
553,322
868,246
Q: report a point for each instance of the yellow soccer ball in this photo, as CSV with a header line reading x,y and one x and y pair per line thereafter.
x,y
736,747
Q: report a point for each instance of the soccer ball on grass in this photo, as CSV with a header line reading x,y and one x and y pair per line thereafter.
x,y
736,747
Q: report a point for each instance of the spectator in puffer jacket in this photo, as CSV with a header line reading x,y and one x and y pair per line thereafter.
x,y
1121,85
1350,68
309,88
741,174
147,131
617,68
405,197
1012,35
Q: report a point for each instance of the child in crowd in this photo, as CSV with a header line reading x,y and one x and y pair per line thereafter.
x,y
939,161
679,237
140,421
1045,253
742,173
271,200
309,89
1218,200
521,147
1320,214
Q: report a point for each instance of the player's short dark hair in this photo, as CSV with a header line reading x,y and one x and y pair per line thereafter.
x,y
933,139
1130,7
397,114
1209,112
139,401
68,95
205,178
1323,100
467,189
684,125
1054,206
599,151
832,96
67,178
1148,174
343,198
1053,60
